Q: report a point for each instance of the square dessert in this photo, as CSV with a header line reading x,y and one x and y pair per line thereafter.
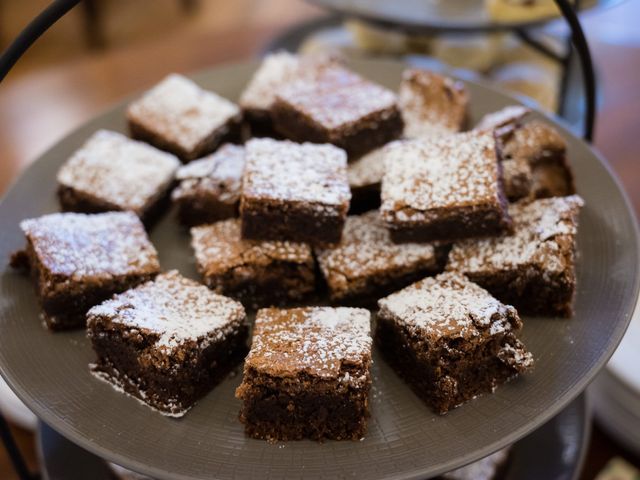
x,y
533,268
180,117
517,178
209,188
444,188
366,264
112,172
365,177
431,104
167,342
503,121
256,272
276,70
293,191
307,374
338,107
450,340
78,260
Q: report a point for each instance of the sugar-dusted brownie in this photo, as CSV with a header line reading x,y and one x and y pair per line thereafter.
x,y
366,264
257,272
365,176
431,104
503,121
517,178
180,117
294,191
112,172
443,188
209,188
167,342
276,70
78,260
450,340
307,374
533,268
338,107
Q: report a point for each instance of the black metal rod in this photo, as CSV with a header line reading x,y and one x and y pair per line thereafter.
x,y
32,32
581,46
539,46
12,450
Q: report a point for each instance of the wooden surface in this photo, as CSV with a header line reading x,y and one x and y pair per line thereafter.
x,y
51,92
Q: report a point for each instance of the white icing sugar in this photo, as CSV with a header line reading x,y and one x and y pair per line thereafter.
x,y
276,69
283,170
507,116
173,307
537,225
181,112
123,172
77,245
366,170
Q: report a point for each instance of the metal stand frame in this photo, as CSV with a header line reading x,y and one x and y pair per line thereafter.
x,y
59,8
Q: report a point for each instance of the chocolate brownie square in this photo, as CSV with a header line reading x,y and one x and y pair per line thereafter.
x,y
533,268
78,260
444,188
113,172
431,104
307,374
276,70
366,264
209,188
450,340
293,191
180,117
259,273
365,177
517,178
338,107
167,342
504,122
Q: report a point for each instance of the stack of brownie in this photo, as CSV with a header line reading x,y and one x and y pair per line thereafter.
x,y
432,239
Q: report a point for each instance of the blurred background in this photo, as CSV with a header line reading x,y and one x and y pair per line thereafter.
x,y
106,50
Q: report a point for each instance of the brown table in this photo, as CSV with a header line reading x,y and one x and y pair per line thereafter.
x,y
39,106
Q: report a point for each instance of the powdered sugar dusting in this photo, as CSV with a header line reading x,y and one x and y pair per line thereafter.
x,y
115,169
78,246
181,112
367,170
502,118
314,340
534,142
173,307
539,229
306,172
421,175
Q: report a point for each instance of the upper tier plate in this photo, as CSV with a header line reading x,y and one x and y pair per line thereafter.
x,y
405,440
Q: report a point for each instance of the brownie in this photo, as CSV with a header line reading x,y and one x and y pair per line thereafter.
x,y
444,188
365,176
533,268
431,104
209,188
307,374
366,264
517,178
180,117
257,272
167,342
292,191
338,107
503,121
276,70
112,172
450,340
78,260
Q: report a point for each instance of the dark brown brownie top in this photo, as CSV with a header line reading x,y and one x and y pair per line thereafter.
x,y
180,112
219,247
218,174
285,171
544,234
449,306
366,249
84,247
431,104
118,170
366,170
172,308
337,98
424,176
507,117
536,141
316,341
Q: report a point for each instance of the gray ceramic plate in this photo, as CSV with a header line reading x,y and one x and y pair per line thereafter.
x,y
422,16
405,440
562,442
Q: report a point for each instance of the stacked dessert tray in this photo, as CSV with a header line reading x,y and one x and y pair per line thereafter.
x,y
404,438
